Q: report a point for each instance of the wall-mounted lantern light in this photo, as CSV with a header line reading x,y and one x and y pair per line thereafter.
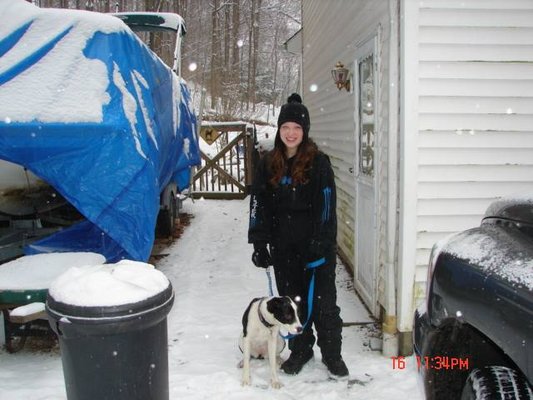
x,y
341,76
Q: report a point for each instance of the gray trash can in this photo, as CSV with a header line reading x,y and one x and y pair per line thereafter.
x,y
117,352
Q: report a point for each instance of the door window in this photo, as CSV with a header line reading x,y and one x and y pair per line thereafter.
x,y
367,107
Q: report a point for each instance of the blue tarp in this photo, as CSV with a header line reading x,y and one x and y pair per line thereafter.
x,y
111,170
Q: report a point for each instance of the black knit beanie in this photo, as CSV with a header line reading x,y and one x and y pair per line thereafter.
x,y
295,111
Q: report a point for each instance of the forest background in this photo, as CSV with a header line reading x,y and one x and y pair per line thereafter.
x,y
233,49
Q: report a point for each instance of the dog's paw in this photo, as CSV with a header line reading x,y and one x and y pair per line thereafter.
x,y
276,384
245,382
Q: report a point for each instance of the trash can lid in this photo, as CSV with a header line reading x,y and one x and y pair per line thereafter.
x,y
109,289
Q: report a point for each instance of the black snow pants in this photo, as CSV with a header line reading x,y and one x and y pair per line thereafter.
x,y
293,279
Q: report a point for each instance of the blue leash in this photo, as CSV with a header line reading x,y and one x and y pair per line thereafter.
x,y
310,295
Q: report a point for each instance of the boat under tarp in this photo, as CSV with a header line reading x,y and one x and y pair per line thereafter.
x,y
87,107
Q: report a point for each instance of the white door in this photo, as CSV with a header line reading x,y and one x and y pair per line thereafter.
x,y
366,232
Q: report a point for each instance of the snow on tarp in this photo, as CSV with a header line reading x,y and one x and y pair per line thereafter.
x,y
86,106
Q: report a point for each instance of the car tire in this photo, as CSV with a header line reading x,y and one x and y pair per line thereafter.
x,y
496,383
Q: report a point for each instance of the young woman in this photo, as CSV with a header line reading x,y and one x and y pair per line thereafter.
x,y
292,213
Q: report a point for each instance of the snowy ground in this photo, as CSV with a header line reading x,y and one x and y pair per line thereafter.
x,y
214,280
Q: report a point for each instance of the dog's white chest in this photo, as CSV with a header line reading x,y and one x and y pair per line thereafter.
x,y
259,337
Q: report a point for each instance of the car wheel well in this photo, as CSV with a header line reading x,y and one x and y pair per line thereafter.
x,y
462,341
168,211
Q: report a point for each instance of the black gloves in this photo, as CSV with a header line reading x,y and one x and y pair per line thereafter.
x,y
261,257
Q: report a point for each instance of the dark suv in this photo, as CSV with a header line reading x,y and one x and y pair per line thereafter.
x,y
473,338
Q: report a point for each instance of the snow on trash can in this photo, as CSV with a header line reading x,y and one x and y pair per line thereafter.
x,y
112,329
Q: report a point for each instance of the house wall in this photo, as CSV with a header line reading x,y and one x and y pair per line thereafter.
x,y
465,118
332,31
474,83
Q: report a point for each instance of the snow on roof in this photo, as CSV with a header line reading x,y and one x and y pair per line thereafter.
x,y
104,285
38,271
225,123
49,91
170,20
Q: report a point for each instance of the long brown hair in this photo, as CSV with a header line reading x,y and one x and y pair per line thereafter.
x,y
303,160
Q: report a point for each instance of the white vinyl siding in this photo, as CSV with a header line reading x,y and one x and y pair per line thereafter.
x,y
475,118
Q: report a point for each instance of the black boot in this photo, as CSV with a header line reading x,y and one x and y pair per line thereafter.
x,y
336,366
296,361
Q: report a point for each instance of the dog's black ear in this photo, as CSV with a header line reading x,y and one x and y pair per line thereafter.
x,y
274,304
281,308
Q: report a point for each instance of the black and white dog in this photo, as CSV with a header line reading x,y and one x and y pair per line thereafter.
x,y
260,338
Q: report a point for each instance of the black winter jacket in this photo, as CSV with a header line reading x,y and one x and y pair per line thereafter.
x,y
299,218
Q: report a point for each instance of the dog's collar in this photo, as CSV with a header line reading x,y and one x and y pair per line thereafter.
x,y
261,318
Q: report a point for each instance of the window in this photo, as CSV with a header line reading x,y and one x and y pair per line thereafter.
x,y
366,91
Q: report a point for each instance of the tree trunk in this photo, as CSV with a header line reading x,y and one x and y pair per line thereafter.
x,y
214,54
255,55
250,55
226,78
236,62
274,58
